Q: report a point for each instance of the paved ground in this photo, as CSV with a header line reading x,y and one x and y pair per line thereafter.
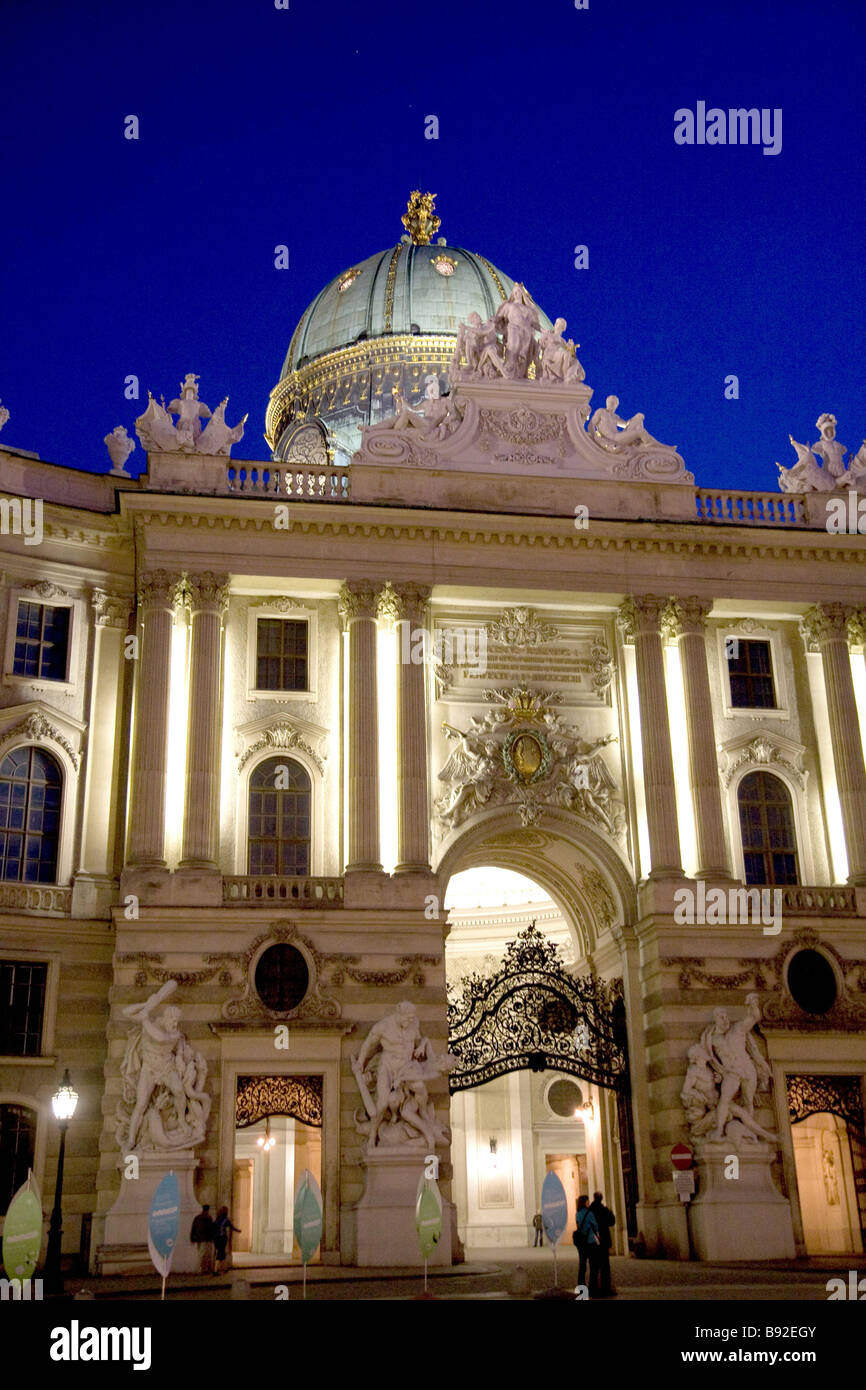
x,y
491,1276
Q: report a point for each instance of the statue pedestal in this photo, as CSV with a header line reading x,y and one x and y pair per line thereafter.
x,y
739,1218
124,1249
385,1216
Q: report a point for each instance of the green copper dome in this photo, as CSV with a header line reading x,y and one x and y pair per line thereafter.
x,y
405,289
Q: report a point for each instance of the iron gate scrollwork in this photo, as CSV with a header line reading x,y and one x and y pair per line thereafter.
x,y
532,1014
299,1097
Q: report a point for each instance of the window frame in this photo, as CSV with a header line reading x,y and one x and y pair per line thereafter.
x,y
762,771
279,611
804,849
777,667
282,759
37,1166
317,811
23,594
46,1057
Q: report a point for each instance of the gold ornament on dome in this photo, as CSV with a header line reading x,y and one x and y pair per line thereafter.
x,y
446,265
347,279
419,219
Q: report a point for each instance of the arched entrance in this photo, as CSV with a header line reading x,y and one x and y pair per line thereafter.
x,y
827,1128
542,1080
278,1134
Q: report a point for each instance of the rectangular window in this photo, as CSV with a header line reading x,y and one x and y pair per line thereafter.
x,y
41,641
751,676
281,654
22,1003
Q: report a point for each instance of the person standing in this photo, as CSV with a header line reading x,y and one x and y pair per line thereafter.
x,y
538,1226
586,1238
222,1232
604,1218
201,1235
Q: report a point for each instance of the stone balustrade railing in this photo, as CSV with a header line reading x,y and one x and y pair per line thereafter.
x,y
35,897
266,891
837,901
298,483
751,508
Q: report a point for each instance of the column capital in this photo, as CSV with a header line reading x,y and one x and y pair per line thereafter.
x,y
857,627
640,614
404,601
160,589
827,622
208,592
358,599
110,610
686,617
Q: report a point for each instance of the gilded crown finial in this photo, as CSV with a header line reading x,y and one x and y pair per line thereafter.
x,y
419,219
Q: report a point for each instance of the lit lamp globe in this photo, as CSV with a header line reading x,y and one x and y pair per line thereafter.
x,y
64,1100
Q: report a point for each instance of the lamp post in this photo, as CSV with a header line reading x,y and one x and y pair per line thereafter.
x,y
63,1103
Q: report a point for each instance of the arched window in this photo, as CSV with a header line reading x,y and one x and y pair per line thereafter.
x,y
279,820
31,790
767,828
17,1148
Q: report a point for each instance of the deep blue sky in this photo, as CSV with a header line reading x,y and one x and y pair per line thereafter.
x,y
306,127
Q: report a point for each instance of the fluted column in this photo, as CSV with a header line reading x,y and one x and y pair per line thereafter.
x,y
687,618
406,606
358,610
208,596
826,627
158,594
640,619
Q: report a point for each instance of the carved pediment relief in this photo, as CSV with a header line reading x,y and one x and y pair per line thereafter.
x,y
37,722
281,733
764,749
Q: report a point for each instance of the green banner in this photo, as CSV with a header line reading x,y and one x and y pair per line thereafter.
x,y
308,1216
428,1218
22,1233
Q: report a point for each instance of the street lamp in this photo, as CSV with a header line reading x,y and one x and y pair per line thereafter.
x,y
63,1103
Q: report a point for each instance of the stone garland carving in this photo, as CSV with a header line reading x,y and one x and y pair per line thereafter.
x,y
767,976
522,753
519,426
593,885
602,665
520,628
808,475
163,1102
300,1097
46,590
726,1071
315,1005
36,726
407,965
281,735
391,1070
159,434
150,963
835,1095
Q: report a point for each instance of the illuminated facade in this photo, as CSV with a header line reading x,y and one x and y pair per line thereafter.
x,y
228,757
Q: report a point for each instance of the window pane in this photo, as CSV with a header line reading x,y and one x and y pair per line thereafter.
x,y
281,654
767,830
30,792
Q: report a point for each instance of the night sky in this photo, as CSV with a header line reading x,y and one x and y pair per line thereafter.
x,y
305,126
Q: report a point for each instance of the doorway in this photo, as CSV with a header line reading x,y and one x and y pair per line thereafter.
x,y
273,1146
825,1181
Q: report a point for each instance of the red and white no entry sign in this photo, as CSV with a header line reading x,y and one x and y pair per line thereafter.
x,y
682,1156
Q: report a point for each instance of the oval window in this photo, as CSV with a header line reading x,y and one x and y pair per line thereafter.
x,y
812,982
282,978
565,1098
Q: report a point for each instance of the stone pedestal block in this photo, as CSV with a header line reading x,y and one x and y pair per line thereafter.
x,y
385,1216
124,1249
739,1218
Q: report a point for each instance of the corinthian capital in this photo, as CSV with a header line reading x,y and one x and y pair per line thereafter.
x,y
407,601
640,615
208,592
826,622
857,627
110,610
358,599
160,589
686,617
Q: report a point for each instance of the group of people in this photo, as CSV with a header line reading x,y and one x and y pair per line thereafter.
x,y
593,1240
211,1236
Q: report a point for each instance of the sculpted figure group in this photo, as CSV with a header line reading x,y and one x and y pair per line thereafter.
x,y
164,1104
159,434
506,345
808,475
726,1070
392,1069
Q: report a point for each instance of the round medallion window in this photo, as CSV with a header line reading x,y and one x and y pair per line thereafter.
x,y
812,982
564,1098
282,978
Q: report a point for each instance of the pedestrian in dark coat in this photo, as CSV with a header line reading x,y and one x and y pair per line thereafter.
x,y
586,1238
604,1219
222,1233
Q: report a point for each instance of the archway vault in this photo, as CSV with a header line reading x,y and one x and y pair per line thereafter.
x,y
581,870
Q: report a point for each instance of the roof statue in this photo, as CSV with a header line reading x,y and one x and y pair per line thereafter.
x,y
505,346
807,475
119,446
419,219
4,416
615,434
159,434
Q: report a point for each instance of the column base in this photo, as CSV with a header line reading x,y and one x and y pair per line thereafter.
x,y
384,1219
93,895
